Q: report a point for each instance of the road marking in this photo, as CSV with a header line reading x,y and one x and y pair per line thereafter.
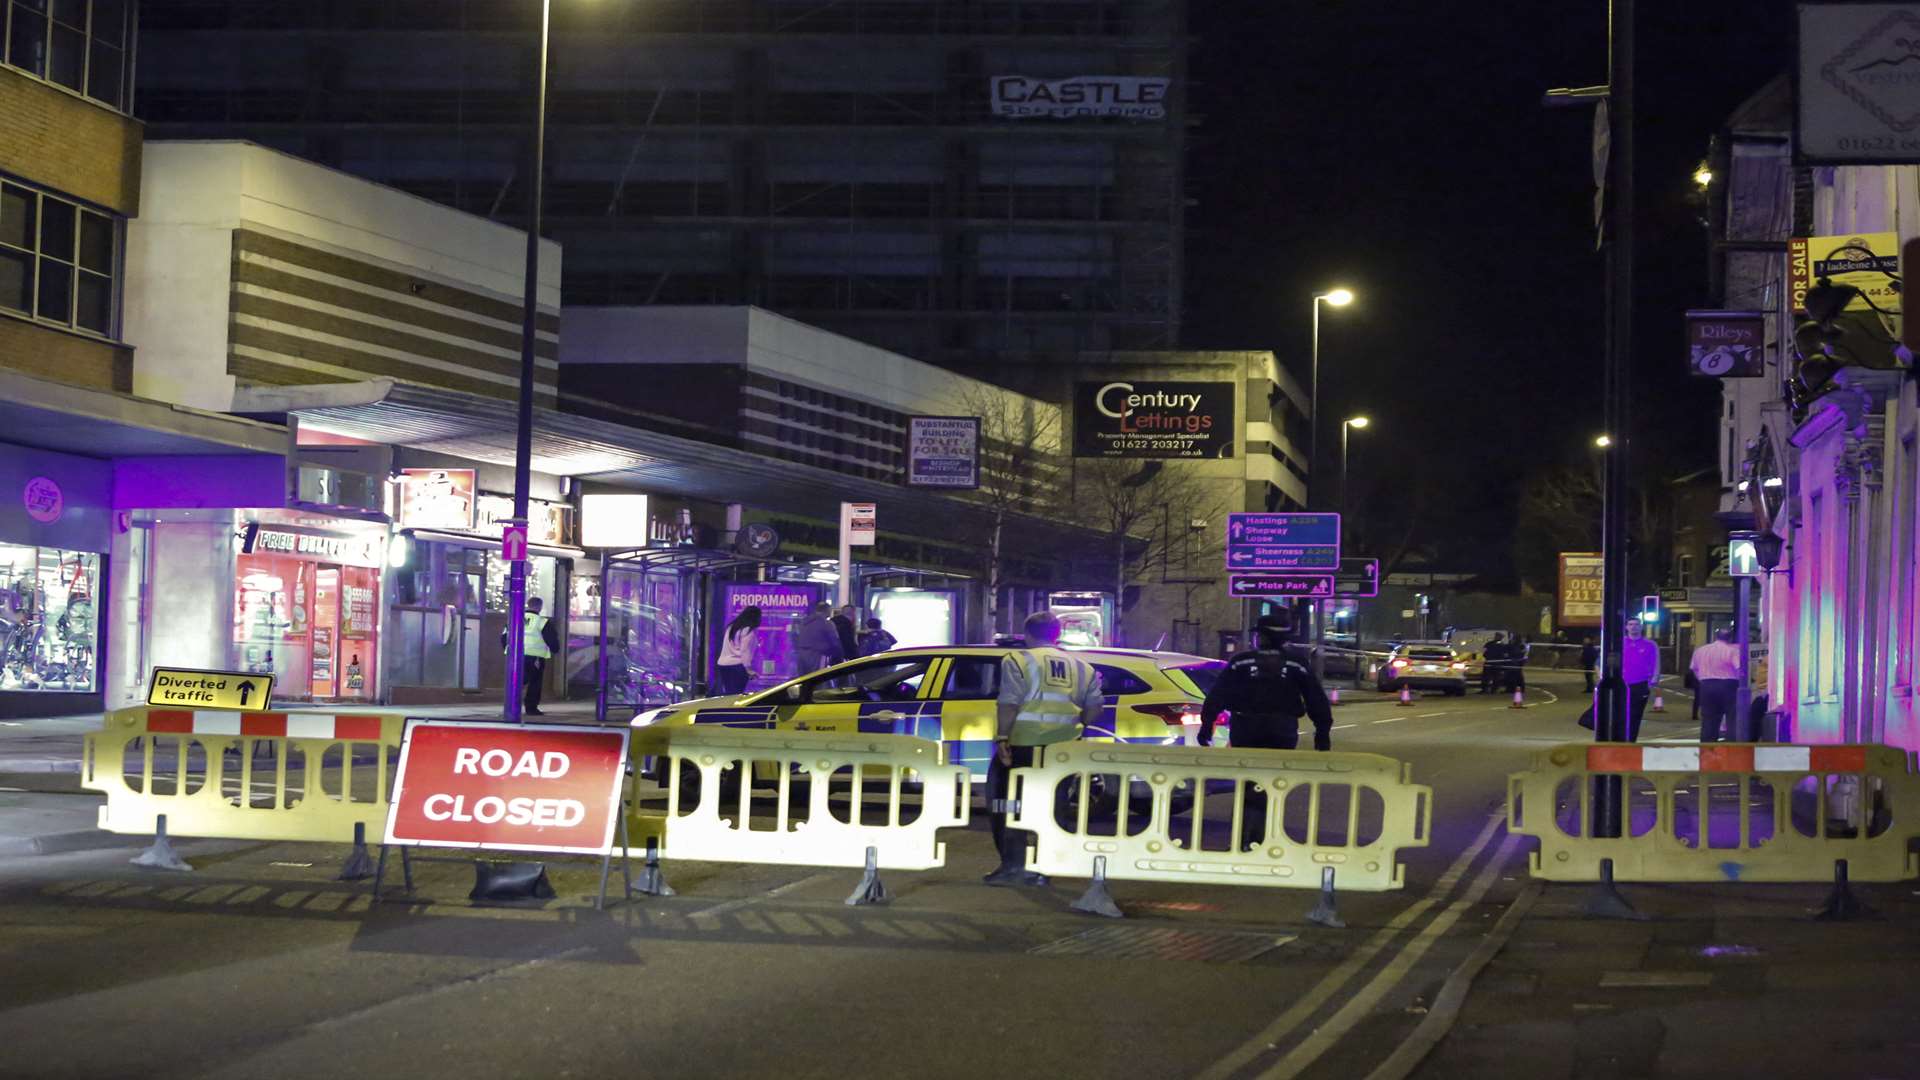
x,y
744,901
1343,727
1424,715
1312,1000
1361,1004
1392,720
1656,978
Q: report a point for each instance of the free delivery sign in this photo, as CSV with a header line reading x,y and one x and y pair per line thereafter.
x,y
509,787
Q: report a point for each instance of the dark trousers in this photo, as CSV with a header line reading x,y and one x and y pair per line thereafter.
x,y
1716,700
1258,732
533,672
1638,694
730,678
1010,843
1589,675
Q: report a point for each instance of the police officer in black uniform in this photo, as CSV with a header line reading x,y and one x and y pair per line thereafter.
x,y
1267,691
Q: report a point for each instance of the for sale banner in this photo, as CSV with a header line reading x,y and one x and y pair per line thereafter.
x,y
509,787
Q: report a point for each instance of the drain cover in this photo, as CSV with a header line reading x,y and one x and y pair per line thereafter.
x,y
1163,943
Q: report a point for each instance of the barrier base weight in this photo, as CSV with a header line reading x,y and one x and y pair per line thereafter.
x,y
160,854
870,890
1841,905
510,881
1605,902
1324,913
652,882
1097,900
359,864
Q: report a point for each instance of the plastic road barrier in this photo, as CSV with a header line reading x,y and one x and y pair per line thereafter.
x,y
243,775
1310,812
1710,812
841,800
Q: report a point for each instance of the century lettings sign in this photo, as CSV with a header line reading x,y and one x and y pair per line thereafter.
x,y
1125,418
1859,88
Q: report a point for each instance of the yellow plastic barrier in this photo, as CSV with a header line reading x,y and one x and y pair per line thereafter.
x,y
834,798
1716,812
243,775
1311,811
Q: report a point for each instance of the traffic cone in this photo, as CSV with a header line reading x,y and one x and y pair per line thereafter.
x,y
1333,695
1406,696
1519,699
1659,703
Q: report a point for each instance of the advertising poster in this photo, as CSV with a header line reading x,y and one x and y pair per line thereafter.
x,y
1126,419
437,498
943,451
1862,260
1581,596
782,606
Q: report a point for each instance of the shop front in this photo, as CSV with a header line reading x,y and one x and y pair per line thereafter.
x,y
306,605
54,536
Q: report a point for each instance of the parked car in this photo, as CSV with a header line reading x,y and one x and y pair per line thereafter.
x,y
1424,666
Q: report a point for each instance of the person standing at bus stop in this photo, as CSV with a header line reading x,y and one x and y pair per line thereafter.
x,y
1047,695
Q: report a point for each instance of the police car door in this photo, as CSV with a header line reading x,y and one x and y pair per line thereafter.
x,y
871,696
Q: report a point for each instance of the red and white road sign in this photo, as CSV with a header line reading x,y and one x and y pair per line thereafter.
x,y
513,543
533,788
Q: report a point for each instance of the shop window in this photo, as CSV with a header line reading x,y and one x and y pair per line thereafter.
x,y
49,630
56,260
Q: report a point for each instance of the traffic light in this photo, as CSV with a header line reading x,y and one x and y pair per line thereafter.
x,y
1650,609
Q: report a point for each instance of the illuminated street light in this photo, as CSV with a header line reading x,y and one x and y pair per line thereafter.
x,y
1603,441
1338,297
1703,176
1358,421
1351,423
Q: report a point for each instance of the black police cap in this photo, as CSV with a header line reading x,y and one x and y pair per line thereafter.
x,y
1274,624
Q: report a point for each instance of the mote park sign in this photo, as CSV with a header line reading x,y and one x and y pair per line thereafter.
x,y
509,787
1282,587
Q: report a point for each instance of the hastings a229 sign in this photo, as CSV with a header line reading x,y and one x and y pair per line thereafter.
x,y
1132,419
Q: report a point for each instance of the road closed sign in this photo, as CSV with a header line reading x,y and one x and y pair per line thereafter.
x,y
189,688
510,787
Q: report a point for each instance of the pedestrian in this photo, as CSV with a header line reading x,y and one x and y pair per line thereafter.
x,y
1266,692
1589,660
1692,684
816,644
1493,658
844,627
731,670
876,639
1047,695
1639,666
1716,669
1517,664
538,642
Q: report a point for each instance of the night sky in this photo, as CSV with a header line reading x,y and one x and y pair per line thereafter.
x,y
1406,155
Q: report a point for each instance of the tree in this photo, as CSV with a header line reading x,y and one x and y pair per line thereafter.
x,y
1019,468
1144,509
1560,508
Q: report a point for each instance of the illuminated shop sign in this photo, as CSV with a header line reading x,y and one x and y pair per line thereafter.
x,y
353,550
1130,419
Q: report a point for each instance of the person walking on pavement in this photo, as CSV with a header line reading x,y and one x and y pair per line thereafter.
x,y
1493,657
1589,660
1639,666
1266,692
847,630
816,644
731,668
1716,668
1047,695
1517,664
876,639
540,641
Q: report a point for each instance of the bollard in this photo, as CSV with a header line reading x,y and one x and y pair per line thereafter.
x,y
160,854
1519,700
1406,696
1324,912
1097,900
359,864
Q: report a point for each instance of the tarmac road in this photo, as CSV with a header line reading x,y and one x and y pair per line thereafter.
x,y
258,964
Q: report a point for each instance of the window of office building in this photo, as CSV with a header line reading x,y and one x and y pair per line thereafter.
x,y
56,260
83,45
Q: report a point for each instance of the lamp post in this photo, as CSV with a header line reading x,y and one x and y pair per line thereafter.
x,y
523,443
1347,426
1336,298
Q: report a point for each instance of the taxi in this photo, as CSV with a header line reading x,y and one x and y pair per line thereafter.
x,y
947,694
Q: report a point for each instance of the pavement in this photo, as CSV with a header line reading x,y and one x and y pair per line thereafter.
x,y
260,963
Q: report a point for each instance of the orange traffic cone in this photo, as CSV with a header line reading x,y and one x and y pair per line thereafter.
x,y
1333,695
1406,696
1519,699
1659,703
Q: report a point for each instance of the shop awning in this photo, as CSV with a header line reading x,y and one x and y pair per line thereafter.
x,y
564,444
54,416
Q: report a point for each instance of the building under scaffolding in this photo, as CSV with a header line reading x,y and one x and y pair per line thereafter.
x,y
842,163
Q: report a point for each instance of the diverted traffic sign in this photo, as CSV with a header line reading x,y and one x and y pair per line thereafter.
x,y
1282,586
1358,578
1281,557
190,688
534,788
1288,529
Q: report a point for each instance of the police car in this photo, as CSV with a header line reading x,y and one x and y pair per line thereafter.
x,y
947,694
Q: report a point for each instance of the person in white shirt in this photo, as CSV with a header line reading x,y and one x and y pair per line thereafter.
x,y
731,667
1716,669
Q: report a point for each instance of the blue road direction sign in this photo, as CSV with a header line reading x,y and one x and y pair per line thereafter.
x,y
1358,579
1284,530
1281,557
1281,586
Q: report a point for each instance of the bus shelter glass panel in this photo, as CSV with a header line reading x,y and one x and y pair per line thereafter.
x,y
649,615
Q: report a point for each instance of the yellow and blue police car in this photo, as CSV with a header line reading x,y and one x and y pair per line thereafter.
x,y
947,694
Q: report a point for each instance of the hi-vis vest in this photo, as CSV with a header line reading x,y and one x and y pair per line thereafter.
x,y
1051,711
533,638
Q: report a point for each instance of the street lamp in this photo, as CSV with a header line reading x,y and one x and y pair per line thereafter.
x,y
1601,442
1350,424
523,442
1333,298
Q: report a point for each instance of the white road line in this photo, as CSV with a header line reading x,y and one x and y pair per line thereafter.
x,y
1361,1003
1343,727
1311,1001
744,901
1393,719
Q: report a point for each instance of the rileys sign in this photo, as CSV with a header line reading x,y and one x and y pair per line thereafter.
x,y
1126,96
1126,419
1727,344
508,787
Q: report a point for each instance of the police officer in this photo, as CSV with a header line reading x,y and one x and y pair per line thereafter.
x,y
1267,691
1046,696
540,641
